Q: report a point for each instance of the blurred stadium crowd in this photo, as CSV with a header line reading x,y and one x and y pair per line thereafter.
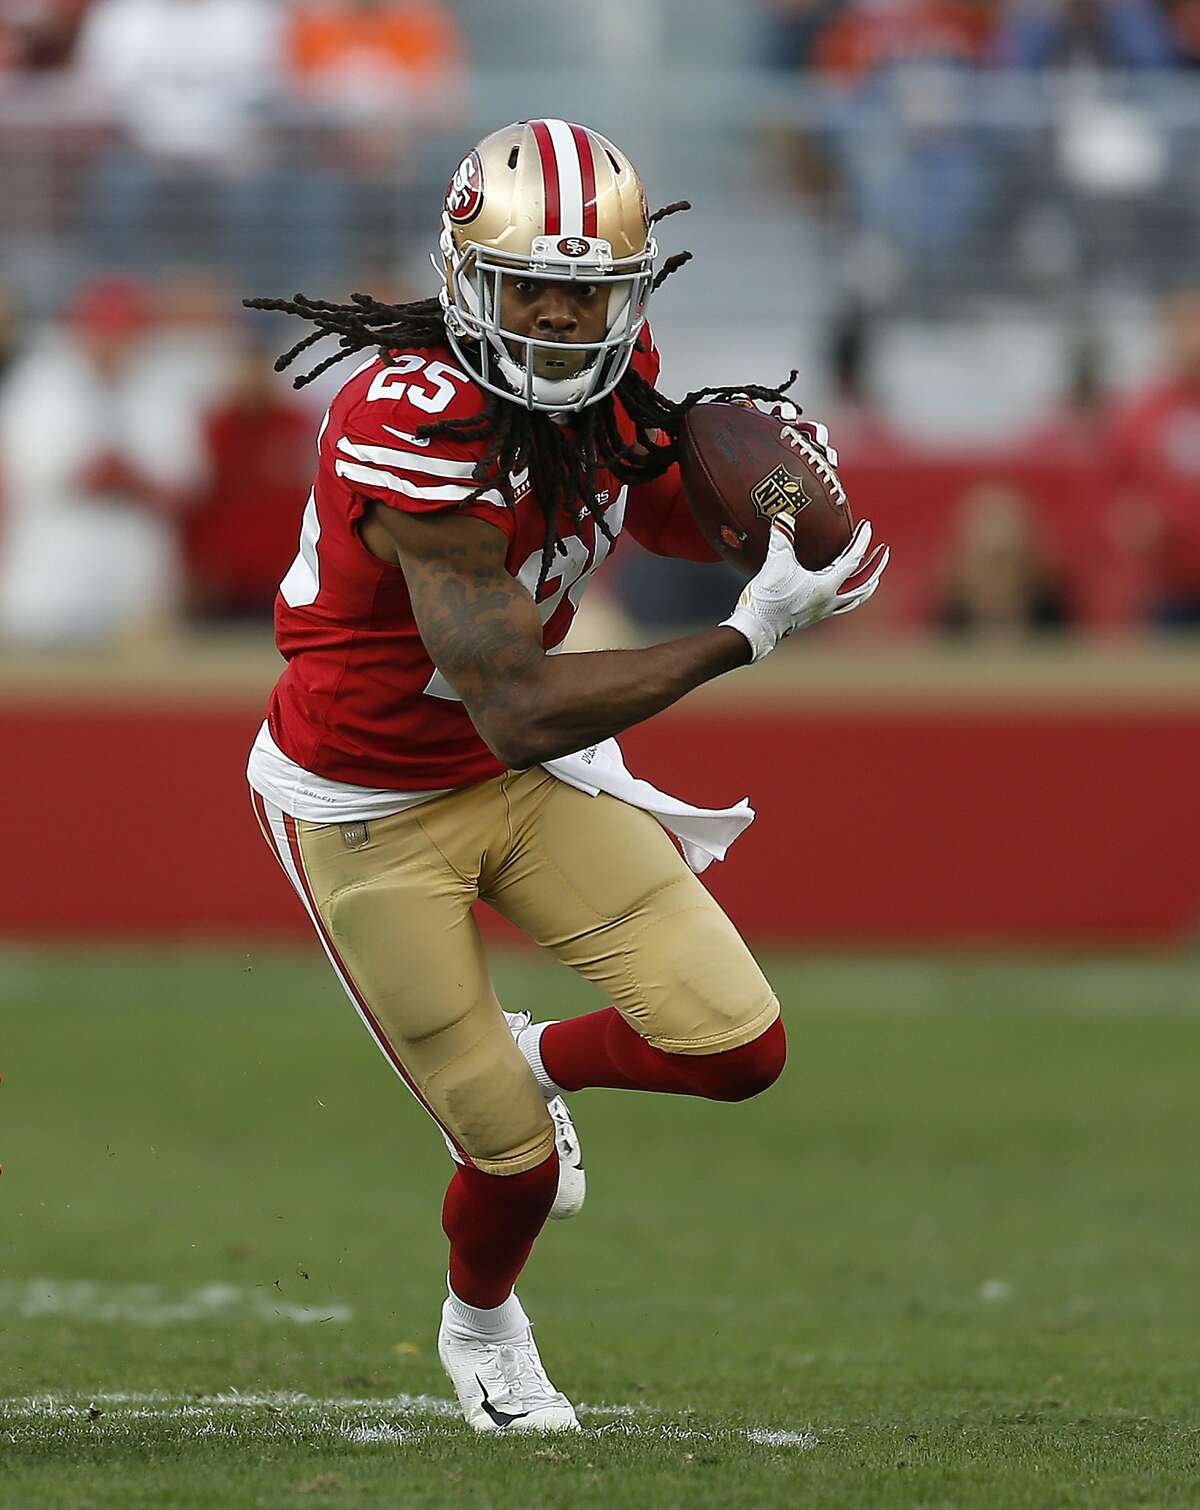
x,y
974,227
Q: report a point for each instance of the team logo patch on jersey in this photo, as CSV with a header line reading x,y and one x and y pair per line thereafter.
x,y
464,192
572,246
782,492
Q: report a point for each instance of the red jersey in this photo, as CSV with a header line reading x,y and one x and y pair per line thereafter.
x,y
242,530
360,700
1156,451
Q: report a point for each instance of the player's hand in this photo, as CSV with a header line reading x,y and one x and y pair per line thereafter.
x,y
786,596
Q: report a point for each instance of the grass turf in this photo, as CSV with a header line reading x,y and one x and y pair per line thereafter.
x,y
948,1261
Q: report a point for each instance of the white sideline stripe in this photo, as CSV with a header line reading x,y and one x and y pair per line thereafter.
x,y
152,1305
570,178
446,494
205,1412
408,461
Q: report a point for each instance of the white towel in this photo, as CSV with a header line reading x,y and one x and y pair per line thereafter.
x,y
704,833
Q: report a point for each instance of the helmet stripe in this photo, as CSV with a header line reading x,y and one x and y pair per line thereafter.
x,y
545,145
570,177
587,168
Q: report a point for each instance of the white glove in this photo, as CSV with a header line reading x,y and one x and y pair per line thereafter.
x,y
786,596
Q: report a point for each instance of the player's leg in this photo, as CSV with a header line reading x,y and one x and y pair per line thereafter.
x,y
601,885
394,917
600,1049
391,901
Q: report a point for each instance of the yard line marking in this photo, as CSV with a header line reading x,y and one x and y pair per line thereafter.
x,y
761,1436
160,1402
364,1435
154,1305
296,1415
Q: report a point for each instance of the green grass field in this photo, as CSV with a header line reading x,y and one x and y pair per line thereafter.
x,y
951,1260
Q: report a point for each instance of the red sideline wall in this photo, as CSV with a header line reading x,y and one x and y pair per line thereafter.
x,y
876,825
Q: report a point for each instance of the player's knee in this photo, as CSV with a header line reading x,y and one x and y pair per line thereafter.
x,y
531,1190
493,1109
752,1068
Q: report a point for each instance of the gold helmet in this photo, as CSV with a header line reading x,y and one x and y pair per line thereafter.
x,y
545,199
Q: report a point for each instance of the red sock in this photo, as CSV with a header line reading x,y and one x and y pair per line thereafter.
x,y
601,1049
492,1221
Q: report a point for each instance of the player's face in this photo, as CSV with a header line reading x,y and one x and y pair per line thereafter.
x,y
569,312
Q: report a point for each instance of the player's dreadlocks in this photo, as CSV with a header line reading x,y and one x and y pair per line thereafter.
x,y
562,461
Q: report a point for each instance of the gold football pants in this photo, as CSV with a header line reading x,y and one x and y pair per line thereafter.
x,y
594,881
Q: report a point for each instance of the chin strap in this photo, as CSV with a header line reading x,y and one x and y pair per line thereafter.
x,y
565,391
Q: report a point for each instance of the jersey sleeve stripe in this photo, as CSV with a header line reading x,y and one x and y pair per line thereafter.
x,y
448,494
408,461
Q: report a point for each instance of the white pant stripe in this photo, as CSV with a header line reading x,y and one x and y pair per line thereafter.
x,y
283,853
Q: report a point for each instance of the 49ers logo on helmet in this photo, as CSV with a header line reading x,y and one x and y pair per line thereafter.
x,y
464,192
572,246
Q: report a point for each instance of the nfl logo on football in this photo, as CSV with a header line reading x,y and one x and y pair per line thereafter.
x,y
782,492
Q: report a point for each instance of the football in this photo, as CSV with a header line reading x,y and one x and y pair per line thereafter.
x,y
741,468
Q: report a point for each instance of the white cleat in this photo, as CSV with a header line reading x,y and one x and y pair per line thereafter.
x,y
502,1386
572,1182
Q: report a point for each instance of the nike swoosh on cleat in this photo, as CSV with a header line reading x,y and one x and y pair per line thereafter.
x,y
501,1418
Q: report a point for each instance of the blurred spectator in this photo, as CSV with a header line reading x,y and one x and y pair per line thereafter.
x,y
95,455
661,596
1184,19
1037,34
258,464
385,76
915,166
10,332
791,28
364,58
857,426
999,584
36,35
1155,462
185,79
195,174
1075,432
864,36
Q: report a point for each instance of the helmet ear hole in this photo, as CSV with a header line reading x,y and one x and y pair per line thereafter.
x,y
513,157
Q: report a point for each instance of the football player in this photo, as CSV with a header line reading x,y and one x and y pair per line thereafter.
x,y
473,473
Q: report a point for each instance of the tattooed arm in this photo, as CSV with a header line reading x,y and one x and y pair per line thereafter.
x,y
482,631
